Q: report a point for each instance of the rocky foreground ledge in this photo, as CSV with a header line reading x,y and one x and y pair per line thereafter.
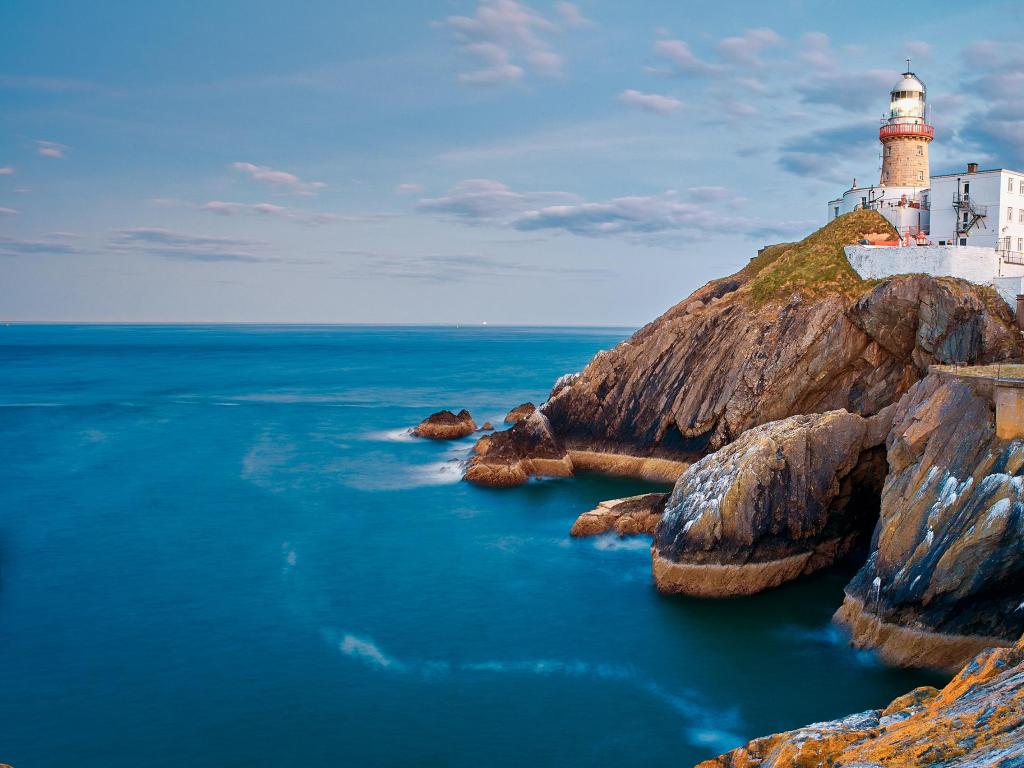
x,y
976,720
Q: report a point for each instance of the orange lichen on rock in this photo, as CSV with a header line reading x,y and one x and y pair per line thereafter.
x,y
978,719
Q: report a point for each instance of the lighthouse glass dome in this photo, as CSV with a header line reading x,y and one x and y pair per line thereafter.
x,y
907,100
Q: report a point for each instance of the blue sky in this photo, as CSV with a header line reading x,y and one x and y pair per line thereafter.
x,y
454,161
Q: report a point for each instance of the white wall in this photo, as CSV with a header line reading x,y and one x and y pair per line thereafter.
x,y
977,264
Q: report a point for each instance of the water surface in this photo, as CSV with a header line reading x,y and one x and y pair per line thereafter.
x,y
220,548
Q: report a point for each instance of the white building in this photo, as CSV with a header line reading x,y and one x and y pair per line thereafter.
x,y
968,224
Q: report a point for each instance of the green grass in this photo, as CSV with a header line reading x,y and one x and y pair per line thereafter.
x,y
817,265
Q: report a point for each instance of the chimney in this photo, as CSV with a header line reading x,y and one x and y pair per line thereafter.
x,y
972,167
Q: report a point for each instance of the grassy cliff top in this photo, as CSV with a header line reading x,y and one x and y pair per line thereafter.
x,y
817,265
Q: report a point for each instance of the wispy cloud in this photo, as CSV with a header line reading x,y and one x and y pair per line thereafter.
x,y
168,244
995,123
505,39
822,154
408,188
6,170
746,49
52,245
650,102
283,181
643,219
270,210
50,148
681,57
460,268
486,200
8,212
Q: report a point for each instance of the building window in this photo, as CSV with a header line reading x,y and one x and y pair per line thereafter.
x,y
1020,215
1009,185
920,175
963,241
1009,214
837,213
920,150
1020,244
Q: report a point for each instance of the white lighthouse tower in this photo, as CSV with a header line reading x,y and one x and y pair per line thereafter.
x,y
901,194
905,135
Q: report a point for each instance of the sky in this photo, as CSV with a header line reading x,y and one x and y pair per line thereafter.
x,y
456,161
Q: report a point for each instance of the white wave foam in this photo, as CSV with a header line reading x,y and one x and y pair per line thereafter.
x,y
707,727
403,435
612,542
368,653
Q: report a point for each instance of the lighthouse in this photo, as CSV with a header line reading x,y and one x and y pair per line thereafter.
x,y
905,135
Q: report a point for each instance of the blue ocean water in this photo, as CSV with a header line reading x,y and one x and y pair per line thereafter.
x,y
218,547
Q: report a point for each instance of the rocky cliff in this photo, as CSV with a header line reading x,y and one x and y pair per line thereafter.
x,y
976,720
945,576
794,332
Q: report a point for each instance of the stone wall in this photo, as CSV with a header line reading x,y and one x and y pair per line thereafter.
x,y
905,162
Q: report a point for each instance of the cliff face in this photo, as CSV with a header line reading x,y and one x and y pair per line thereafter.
x,y
794,332
946,573
976,720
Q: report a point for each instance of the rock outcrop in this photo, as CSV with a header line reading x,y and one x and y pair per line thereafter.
x,y
794,332
520,412
627,517
445,425
784,500
946,573
976,720
509,458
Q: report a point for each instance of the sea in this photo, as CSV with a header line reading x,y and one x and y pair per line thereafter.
x,y
220,546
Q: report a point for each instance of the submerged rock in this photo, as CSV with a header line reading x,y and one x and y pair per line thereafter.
x,y
629,516
946,574
786,499
445,425
976,720
519,413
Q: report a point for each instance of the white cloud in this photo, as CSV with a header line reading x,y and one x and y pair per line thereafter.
x,y
6,170
269,210
282,180
505,39
408,188
180,246
683,59
8,212
745,49
486,200
571,15
651,102
50,148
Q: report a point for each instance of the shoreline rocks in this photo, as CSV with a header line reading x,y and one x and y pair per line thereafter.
x,y
627,517
445,425
976,720
784,500
520,413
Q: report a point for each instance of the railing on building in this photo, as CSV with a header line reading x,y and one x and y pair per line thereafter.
x,y
1007,254
906,129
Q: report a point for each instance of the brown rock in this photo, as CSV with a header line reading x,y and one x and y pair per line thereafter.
x,y
627,517
795,332
519,413
786,499
487,427
976,720
508,458
445,425
946,575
